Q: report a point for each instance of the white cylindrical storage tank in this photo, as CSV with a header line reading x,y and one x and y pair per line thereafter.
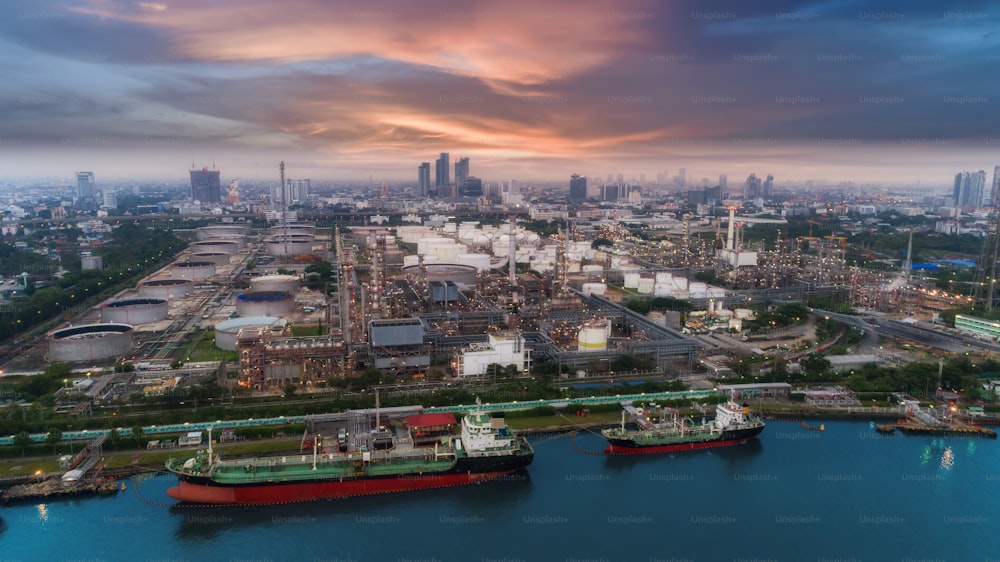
x,y
165,288
664,277
698,289
230,247
91,262
593,268
220,230
594,289
218,258
265,303
479,261
743,313
681,294
593,335
283,283
89,342
227,332
632,280
193,270
291,245
681,282
716,292
645,285
134,311
450,227
663,289
724,314
424,245
411,260
450,253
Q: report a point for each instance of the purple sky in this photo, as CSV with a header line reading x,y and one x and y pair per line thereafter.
x,y
862,91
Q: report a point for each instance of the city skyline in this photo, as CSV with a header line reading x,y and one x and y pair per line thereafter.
x,y
858,91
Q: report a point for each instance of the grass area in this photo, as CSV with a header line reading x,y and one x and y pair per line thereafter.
x,y
307,330
206,350
570,420
24,468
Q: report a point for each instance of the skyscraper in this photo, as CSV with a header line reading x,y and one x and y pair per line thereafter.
x,y
205,186
461,174
768,188
442,173
751,189
577,188
969,189
109,197
424,175
994,188
85,186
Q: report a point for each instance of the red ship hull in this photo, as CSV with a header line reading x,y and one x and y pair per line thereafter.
x,y
620,450
279,493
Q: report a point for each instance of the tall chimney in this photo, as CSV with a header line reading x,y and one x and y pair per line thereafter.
x,y
513,252
730,239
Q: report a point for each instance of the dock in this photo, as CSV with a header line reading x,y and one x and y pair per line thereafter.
x,y
926,424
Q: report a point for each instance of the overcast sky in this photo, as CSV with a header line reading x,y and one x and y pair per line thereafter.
x,y
863,91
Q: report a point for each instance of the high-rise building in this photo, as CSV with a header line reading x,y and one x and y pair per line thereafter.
x,y
109,198
442,173
205,185
296,192
85,185
768,187
723,182
577,188
969,188
751,189
621,179
994,189
461,174
424,175
233,193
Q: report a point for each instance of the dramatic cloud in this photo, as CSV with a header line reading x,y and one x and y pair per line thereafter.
x,y
894,90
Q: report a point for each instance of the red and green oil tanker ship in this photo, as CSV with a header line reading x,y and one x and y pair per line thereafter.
x,y
483,449
662,430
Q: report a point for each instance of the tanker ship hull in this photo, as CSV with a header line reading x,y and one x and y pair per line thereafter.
x,y
725,439
469,470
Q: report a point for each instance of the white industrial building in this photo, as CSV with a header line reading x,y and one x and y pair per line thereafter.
x,y
503,348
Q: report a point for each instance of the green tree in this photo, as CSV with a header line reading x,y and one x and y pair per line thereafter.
x,y
54,437
138,435
114,438
22,440
814,364
290,389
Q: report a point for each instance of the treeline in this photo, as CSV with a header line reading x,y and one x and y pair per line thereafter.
x,y
132,250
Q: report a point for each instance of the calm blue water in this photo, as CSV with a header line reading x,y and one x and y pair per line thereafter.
x,y
843,494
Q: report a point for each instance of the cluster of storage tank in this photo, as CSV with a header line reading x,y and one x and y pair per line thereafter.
x,y
665,284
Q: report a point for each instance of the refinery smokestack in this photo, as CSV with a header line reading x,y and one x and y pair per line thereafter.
x,y
513,252
730,239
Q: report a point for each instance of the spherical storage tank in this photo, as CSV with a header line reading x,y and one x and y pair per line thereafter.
x,y
593,335
218,258
265,303
165,288
193,270
134,311
227,332
230,247
284,283
89,342
479,261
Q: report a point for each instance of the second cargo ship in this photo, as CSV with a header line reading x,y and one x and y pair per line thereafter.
x,y
663,430
433,455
